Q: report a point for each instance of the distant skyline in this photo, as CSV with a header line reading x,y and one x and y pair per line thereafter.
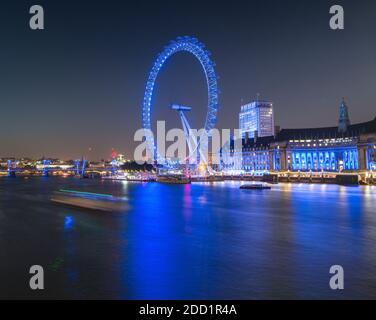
x,y
79,83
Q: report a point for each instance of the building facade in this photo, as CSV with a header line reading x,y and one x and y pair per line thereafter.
x,y
256,118
343,148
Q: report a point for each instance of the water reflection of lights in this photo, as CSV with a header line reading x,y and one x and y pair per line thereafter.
x,y
68,222
187,201
370,191
288,186
202,200
323,187
125,185
343,192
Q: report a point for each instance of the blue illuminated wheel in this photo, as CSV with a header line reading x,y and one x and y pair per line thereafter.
x,y
193,46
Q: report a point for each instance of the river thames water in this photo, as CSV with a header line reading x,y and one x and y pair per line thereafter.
x,y
198,241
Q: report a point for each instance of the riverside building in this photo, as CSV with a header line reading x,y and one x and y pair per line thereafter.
x,y
256,119
343,148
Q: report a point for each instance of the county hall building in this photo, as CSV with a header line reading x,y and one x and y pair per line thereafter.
x,y
344,148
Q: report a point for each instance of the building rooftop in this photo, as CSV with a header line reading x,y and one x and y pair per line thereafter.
x,y
309,133
327,132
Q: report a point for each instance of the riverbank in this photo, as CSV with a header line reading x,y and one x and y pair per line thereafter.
x,y
363,178
322,178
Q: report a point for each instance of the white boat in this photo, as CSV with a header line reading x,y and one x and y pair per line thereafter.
x,y
114,178
256,186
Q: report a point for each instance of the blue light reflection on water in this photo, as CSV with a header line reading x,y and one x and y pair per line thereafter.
x,y
192,241
152,245
68,222
275,242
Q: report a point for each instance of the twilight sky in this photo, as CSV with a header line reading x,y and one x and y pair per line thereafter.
x,y
80,82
